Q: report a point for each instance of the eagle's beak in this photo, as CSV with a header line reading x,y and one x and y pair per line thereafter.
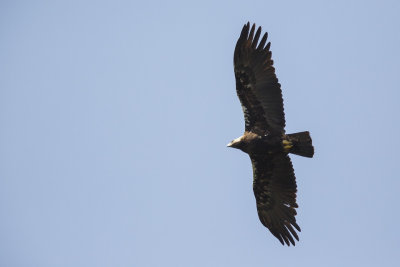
x,y
229,145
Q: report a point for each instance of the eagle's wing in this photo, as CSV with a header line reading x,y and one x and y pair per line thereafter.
x,y
275,188
256,83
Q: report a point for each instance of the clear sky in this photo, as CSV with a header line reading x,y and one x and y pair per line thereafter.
x,y
114,120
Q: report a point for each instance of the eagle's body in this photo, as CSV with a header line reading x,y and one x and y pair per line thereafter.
x,y
264,139
252,143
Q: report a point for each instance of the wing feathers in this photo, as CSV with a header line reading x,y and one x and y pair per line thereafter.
x,y
256,37
275,190
251,33
263,40
256,83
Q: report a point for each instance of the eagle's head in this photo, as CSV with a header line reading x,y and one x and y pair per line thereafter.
x,y
237,143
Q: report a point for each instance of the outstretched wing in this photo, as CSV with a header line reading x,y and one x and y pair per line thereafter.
x,y
275,188
256,83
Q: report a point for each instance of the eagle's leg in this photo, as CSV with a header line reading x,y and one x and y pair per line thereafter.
x,y
287,145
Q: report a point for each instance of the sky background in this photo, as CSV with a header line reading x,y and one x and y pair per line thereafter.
x,y
115,115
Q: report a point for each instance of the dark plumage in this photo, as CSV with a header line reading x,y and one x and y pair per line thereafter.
x,y
264,139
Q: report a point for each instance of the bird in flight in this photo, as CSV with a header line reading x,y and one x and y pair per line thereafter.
x,y
264,138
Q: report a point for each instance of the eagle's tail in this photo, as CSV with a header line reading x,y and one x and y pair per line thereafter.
x,y
301,144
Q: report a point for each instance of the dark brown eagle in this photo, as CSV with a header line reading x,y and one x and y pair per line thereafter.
x,y
264,139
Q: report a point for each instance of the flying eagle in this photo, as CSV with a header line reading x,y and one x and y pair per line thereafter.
x,y
264,138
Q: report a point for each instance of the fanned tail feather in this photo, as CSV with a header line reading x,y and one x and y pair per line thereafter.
x,y
301,144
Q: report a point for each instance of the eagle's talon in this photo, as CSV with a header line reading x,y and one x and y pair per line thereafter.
x,y
286,142
287,147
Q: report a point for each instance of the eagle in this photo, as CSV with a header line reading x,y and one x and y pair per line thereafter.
x,y
264,138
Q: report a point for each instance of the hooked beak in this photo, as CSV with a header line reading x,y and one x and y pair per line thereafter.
x,y
229,145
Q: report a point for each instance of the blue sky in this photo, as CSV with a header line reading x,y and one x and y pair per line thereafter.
x,y
115,117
